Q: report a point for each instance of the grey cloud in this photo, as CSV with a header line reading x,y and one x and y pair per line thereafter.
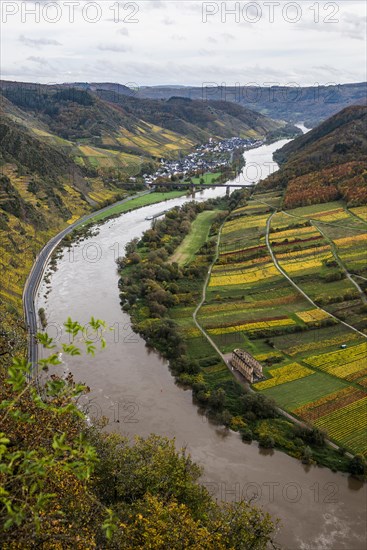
x,y
227,36
36,59
205,52
38,42
113,48
153,4
349,24
168,21
354,26
31,72
178,37
327,69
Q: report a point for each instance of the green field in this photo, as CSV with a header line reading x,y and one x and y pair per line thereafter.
x,y
195,239
299,392
144,200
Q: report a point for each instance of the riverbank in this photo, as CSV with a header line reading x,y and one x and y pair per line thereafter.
x,y
151,197
35,276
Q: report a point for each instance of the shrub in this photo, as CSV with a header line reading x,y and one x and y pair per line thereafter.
x,y
357,466
313,436
306,455
246,434
266,442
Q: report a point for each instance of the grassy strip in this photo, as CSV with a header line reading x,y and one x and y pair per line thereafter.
x,y
139,202
195,239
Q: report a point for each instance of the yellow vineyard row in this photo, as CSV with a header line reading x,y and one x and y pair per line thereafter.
x,y
288,373
312,315
252,326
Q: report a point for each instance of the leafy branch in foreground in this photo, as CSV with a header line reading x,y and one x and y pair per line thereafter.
x,y
42,441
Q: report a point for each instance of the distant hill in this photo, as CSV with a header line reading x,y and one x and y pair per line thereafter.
x,y
327,163
107,116
196,119
340,138
308,104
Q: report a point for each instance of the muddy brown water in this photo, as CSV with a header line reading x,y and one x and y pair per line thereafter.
x,y
132,386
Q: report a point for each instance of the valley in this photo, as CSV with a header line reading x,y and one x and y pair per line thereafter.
x,y
183,275
66,152
287,285
127,396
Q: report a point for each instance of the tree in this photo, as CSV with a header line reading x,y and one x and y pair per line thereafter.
x,y
313,436
266,441
306,455
134,258
357,466
45,460
131,246
217,399
260,405
246,434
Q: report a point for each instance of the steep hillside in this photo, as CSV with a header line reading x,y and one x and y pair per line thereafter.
x,y
41,190
75,118
341,137
17,145
196,119
115,121
326,164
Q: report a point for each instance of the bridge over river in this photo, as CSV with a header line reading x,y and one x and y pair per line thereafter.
x,y
193,187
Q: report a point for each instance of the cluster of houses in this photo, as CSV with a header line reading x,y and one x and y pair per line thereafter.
x,y
209,157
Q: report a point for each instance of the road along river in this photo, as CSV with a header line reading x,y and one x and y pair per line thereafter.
x,y
132,386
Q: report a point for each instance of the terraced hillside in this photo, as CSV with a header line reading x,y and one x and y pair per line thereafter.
x,y
301,313
197,119
202,283
90,130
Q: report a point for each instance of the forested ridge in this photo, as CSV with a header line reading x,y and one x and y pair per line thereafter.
x,y
328,163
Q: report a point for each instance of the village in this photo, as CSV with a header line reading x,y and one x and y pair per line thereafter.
x,y
209,157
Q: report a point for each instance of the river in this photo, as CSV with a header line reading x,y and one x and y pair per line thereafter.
x,y
132,386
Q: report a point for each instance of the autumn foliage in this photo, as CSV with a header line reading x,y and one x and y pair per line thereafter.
x,y
348,181
325,164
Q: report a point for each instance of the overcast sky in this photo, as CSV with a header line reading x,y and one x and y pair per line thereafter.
x,y
184,42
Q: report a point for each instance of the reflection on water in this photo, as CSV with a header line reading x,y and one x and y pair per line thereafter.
x,y
132,386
